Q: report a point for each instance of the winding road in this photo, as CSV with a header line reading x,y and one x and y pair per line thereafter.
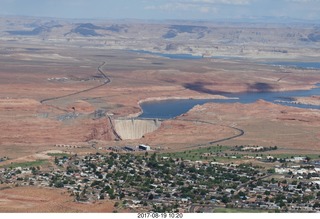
x,y
241,132
107,80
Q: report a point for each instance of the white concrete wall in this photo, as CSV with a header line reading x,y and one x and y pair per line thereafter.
x,y
135,129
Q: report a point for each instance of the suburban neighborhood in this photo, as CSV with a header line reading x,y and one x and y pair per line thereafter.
x,y
151,182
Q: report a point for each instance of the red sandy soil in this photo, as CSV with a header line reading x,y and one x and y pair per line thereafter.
x,y
81,106
44,200
27,126
175,134
292,129
266,124
24,131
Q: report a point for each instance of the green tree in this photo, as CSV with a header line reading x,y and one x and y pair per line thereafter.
x,y
225,199
122,195
58,184
316,205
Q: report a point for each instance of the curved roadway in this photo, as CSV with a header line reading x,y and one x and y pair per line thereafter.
x,y
107,80
241,132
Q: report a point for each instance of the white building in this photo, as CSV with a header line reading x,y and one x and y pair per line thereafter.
x,y
144,147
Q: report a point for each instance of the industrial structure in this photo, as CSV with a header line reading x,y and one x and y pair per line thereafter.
x,y
144,147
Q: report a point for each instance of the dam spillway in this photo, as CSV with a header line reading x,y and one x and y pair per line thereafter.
x,y
135,128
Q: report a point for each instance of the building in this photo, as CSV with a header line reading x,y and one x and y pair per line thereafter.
x,y
144,147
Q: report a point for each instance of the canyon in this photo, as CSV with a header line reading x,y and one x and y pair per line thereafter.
x,y
67,82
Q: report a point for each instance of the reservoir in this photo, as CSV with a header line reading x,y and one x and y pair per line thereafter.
x,y
167,55
302,65
167,109
294,64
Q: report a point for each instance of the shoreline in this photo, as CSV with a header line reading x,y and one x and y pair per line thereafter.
x,y
266,56
313,100
155,99
211,97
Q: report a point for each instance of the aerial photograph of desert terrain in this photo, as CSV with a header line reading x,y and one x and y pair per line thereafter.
x,y
160,108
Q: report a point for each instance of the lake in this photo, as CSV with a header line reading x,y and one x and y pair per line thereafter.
x,y
167,109
171,56
171,108
303,65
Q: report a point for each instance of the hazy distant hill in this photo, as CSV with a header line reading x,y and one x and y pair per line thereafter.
x,y
314,37
198,38
35,31
87,29
175,30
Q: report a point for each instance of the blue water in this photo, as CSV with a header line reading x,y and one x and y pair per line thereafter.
x,y
171,56
171,108
303,65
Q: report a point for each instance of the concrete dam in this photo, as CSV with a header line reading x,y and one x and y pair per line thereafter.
x,y
135,128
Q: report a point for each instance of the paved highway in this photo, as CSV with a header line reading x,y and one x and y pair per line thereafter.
x,y
107,80
241,132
